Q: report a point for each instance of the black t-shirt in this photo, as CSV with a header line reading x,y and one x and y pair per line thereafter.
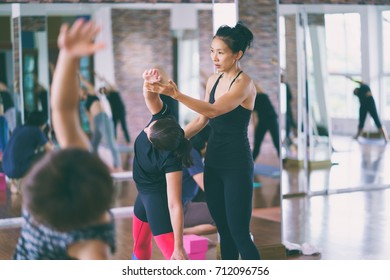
x,y
20,151
150,164
362,93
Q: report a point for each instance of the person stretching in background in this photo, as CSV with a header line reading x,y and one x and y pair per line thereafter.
x,y
367,105
27,144
118,108
67,194
100,122
265,119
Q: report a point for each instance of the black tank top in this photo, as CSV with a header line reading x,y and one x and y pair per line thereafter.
x,y
228,144
90,99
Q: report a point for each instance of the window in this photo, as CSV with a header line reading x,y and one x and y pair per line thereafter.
x,y
386,63
343,59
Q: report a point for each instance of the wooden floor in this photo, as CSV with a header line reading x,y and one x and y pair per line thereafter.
x,y
344,212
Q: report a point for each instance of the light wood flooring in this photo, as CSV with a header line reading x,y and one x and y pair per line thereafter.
x,y
345,216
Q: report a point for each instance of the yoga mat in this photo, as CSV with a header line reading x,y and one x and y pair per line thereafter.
x,y
266,170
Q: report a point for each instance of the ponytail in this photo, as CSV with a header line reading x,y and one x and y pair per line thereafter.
x,y
183,152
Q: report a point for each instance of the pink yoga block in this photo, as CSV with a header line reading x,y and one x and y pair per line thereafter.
x,y
197,256
3,183
195,244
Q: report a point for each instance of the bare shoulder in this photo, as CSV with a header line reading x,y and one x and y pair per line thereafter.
x,y
213,78
246,79
244,82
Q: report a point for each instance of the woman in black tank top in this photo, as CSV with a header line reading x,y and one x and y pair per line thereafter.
x,y
228,174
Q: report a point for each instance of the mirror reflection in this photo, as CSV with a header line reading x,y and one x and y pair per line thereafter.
x,y
327,51
179,47
33,55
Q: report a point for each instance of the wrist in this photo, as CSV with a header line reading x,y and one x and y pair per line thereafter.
x,y
177,95
68,56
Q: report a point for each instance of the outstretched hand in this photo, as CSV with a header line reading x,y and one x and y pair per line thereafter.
x,y
78,40
151,76
169,89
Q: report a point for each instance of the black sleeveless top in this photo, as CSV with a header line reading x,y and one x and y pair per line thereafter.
x,y
228,144
90,99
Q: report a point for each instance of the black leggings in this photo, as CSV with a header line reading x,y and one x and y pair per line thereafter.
x,y
122,121
153,208
260,131
229,198
369,107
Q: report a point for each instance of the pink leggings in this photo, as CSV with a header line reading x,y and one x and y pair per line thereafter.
x,y
142,235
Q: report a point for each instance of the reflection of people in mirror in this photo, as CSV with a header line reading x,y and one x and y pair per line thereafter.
x,y
41,98
8,107
290,121
160,152
26,145
265,119
99,114
367,106
228,175
118,108
67,194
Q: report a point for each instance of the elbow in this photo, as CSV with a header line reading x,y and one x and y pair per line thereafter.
x,y
213,113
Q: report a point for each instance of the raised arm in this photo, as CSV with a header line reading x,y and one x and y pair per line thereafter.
x,y
110,86
152,100
73,43
89,86
353,80
174,190
230,100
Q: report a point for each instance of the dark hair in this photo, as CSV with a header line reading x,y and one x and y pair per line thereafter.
x,y
356,91
36,118
200,139
237,38
166,134
68,189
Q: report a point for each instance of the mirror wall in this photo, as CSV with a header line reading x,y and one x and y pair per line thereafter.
x,y
180,45
28,51
321,47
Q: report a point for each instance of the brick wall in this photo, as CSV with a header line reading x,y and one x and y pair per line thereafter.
x,y
205,23
261,60
139,43
16,39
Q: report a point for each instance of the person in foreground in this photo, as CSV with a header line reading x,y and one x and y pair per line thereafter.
x,y
68,193
160,152
228,175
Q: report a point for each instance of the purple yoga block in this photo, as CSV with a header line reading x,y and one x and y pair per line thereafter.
x,y
197,256
195,244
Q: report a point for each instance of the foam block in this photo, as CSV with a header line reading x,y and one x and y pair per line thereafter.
x,y
195,244
197,256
